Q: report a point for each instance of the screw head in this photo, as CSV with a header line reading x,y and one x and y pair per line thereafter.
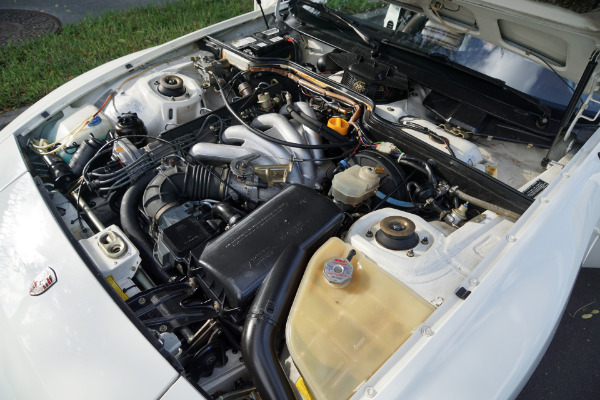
x,y
425,240
410,253
369,234
370,391
427,331
396,226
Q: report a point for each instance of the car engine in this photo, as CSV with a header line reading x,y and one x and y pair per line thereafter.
x,y
202,188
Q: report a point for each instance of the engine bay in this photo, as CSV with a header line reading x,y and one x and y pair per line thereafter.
x,y
269,182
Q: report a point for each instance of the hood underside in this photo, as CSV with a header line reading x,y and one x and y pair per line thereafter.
x,y
563,34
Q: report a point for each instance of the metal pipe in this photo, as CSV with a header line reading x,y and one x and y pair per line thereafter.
x,y
484,204
287,131
80,203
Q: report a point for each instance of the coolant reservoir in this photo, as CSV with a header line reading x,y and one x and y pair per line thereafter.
x,y
339,335
355,184
71,129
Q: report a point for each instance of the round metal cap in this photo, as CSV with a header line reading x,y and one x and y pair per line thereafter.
x,y
338,272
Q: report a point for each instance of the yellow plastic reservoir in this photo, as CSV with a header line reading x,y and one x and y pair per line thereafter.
x,y
339,335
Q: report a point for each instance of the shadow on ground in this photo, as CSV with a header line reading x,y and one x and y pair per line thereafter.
x,y
570,368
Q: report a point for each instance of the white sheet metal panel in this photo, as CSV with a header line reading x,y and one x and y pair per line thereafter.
x,y
72,341
182,390
487,346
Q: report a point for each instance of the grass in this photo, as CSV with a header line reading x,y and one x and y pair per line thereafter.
x,y
31,70
354,6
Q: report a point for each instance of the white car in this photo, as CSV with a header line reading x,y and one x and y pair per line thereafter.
x,y
317,201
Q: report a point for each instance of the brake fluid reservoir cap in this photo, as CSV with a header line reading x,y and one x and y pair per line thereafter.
x,y
339,125
338,272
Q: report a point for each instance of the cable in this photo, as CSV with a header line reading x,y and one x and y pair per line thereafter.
x,y
398,186
275,140
435,11
434,136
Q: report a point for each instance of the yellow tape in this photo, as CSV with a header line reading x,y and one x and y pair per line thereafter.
x,y
491,170
303,389
111,282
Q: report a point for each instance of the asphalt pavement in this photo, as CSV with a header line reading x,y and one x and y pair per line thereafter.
x,y
70,12
570,368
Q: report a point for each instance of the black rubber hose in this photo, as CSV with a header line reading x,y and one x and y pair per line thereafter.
x,y
266,318
322,129
279,141
133,230
425,167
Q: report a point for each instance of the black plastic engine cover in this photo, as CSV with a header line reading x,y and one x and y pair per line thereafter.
x,y
234,265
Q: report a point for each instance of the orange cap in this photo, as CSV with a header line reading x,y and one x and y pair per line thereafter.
x,y
339,125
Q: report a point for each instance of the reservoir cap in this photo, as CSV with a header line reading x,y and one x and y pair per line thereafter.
x,y
338,272
95,121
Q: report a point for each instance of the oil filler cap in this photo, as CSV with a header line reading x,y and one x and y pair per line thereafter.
x,y
338,272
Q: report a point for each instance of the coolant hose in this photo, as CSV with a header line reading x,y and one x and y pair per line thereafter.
x,y
266,318
131,227
315,125
484,204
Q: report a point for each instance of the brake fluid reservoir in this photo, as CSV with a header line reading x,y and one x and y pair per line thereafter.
x,y
355,184
339,335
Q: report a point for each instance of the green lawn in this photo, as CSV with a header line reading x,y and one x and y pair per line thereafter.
x,y
31,70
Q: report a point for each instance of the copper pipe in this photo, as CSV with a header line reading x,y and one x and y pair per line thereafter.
x,y
315,88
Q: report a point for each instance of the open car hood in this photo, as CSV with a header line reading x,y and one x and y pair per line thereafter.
x,y
563,36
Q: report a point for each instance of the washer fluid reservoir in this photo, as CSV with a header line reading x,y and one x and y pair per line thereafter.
x,y
71,129
339,335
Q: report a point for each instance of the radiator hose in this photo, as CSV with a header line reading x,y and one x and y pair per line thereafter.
x,y
131,227
265,322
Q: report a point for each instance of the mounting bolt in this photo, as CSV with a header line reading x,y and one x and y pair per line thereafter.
x,y
370,391
427,331
142,300
410,253
162,328
369,234
425,240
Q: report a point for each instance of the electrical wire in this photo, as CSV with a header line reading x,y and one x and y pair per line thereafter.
x,y
275,140
435,11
